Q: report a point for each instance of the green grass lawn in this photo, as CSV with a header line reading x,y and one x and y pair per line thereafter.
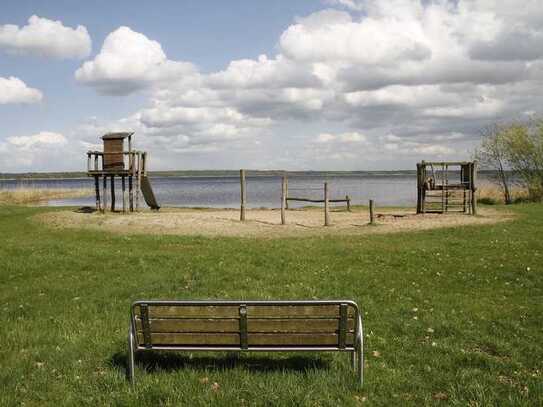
x,y
452,316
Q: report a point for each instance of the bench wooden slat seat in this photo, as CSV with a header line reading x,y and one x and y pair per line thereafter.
x,y
331,325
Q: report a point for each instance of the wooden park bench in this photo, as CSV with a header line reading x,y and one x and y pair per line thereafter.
x,y
246,326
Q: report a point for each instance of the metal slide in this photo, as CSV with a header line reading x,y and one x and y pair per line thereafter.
x,y
148,193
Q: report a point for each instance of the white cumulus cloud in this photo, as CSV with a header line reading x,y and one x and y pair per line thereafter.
x,y
43,138
127,62
333,36
43,151
45,37
14,90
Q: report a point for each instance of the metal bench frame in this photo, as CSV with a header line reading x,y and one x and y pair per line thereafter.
x,y
356,350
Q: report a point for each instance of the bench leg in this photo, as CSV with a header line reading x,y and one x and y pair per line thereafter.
x,y
360,367
360,351
130,363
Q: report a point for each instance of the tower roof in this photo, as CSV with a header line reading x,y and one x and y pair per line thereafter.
x,y
118,135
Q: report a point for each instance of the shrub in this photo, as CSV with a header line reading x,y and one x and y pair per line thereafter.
x,y
487,201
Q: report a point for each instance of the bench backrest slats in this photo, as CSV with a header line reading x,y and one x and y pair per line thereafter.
x,y
245,325
192,311
253,311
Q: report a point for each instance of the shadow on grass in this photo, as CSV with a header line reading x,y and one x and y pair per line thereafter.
x,y
153,361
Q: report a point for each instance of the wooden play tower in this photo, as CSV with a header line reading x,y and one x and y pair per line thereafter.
x,y
129,165
446,187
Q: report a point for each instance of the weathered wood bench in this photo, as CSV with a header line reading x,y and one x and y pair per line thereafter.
x,y
246,326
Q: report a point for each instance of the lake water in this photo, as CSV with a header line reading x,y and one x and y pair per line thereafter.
x,y
387,189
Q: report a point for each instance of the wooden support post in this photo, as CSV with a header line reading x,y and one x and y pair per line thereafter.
x,y
446,186
423,192
88,162
243,194
473,189
348,203
372,212
131,185
104,193
138,180
97,191
123,187
326,206
130,194
442,188
113,193
144,163
283,199
96,168
419,188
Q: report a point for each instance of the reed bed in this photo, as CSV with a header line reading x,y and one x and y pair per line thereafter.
x,y
29,195
493,194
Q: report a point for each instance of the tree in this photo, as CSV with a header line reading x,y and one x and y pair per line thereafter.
x,y
524,153
514,149
492,155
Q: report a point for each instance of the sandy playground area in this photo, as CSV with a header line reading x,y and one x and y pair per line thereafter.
x,y
265,223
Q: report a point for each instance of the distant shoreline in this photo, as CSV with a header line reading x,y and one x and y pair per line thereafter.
x,y
44,176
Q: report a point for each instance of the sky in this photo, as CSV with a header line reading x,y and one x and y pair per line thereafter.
x,y
293,85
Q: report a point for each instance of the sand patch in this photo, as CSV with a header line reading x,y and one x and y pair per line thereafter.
x,y
264,223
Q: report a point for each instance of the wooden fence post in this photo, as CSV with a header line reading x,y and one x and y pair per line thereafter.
x,y
283,199
348,203
372,212
243,194
326,206
286,192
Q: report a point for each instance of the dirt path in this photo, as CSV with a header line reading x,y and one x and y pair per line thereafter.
x,y
263,222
